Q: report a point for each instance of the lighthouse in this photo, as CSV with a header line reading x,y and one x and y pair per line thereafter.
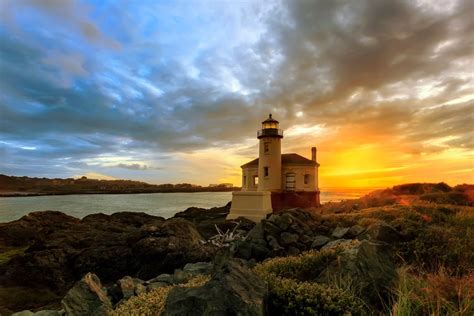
x,y
275,181
269,162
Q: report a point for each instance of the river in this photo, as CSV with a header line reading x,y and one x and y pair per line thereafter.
x,y
159,204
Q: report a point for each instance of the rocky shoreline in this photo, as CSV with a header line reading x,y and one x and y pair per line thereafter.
x,y
104,264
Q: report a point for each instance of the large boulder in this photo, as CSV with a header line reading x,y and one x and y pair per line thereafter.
x,y
340,232
176,243
319,241
57,248
367,264
87,297
233,290
382,232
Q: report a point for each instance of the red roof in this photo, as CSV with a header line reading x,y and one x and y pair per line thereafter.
x,y
286,159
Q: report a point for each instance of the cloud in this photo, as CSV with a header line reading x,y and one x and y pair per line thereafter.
x,y
199,77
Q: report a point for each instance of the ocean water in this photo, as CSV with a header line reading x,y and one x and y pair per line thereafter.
x,y
159,204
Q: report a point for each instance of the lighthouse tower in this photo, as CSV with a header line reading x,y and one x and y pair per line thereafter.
x,y
275,181
269,162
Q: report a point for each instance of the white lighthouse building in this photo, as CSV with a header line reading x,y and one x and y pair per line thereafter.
x,y
275,181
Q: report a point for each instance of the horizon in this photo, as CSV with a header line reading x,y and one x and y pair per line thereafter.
x,y
164,92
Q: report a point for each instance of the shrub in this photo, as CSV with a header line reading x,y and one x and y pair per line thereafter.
x,y
290,295
436,246
153,302
306,266
454,197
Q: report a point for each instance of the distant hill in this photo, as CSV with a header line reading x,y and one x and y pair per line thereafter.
x,y
19,186
408,194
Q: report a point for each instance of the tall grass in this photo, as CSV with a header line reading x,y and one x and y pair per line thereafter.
x,y
433,294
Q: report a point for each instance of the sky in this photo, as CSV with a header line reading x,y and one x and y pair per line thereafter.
x,y
174,91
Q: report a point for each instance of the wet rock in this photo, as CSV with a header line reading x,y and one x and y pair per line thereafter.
x,y
233,290
340,232
87,297
319,241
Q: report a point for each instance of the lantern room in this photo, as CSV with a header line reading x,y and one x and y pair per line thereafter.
x,y
270,128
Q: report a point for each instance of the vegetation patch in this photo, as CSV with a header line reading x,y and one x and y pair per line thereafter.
x,y
433,293
7,253
294,291
153,302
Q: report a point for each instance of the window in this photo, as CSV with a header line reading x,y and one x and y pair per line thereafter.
x,y
255,180
306,179
265,171
244,181
266,147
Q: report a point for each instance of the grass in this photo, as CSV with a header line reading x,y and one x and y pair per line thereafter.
x,y
7,253
433,293
293,289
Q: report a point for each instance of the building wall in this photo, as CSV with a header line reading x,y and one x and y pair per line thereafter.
x,y
248,175
300,171
270,158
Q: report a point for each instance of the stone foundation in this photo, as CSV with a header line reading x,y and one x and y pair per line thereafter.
x,y
254,205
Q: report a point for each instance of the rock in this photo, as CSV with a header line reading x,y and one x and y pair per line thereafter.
x,y
189,271
165,278
382,232
56,249
283,221
251,248
287,239
87,297
274,245
50,313
270,228
178,243
340,232
368,265
23,313
293,251
305,239
206,219
355,231
319,241
194,269
139,289
128,286
233,290
256,232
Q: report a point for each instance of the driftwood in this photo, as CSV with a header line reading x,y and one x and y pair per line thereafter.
x,y
224,239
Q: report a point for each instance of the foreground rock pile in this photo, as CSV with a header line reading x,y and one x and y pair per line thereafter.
x,y
131,253
54,250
